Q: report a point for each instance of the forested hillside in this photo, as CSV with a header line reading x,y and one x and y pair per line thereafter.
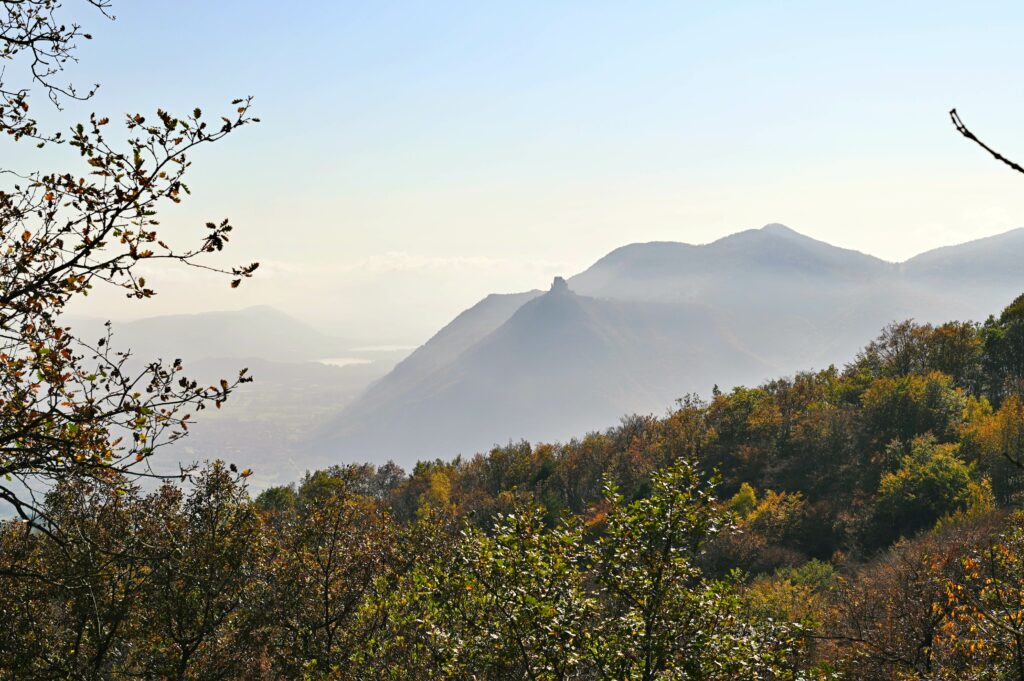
x,y
859,520
856,523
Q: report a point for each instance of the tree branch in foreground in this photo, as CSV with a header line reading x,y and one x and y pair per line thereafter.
x,y
963,130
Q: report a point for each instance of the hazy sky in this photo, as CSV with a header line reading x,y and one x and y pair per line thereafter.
x,y
416,156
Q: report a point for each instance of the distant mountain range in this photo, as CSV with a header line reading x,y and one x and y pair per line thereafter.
x,y
302,378
649,323
259,331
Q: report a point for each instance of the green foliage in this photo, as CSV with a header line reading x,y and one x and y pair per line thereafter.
x,y
906,407
817,575
663,618
523,609
794,594
931,483
744,501
277,500
1004,351
526,601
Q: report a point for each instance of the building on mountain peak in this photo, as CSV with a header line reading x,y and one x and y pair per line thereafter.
x,y
559,285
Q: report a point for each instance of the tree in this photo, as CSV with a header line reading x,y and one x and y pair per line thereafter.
x,y
410,617
995,439
69,606
1004,351
899,350
904,348
330,560
931,483
905,407
523,610
661,618
200,603
987,600
145,586
888,619
69,406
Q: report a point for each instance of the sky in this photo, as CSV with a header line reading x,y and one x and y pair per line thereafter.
x,y
416,156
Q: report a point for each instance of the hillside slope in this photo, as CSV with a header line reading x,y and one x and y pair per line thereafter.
x,y
562,364
649,323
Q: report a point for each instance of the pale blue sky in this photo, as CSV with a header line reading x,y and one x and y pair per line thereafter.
x,y
415,156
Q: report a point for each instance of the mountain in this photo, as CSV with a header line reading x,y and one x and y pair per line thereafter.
x,y
984,263
301,378
260,331
773,255
650,323
462,333
561,363
790,292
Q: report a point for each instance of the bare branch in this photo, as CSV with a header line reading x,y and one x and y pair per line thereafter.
x,y
963,130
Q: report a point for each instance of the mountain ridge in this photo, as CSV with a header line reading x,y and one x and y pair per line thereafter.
x,y
647,324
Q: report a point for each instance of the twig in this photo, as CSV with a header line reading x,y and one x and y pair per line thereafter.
x,y
962,129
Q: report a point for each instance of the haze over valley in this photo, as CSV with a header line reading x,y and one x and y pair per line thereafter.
x,y
642,327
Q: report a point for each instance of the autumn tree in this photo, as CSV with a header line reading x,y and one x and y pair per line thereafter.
x,y
70,601
71,406
995,440
987,602
886,618
157,585
200,615
333,555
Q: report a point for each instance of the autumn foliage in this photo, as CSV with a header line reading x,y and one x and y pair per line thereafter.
x,y
859,522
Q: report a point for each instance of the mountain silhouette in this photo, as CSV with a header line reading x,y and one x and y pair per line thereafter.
x,y
650,323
